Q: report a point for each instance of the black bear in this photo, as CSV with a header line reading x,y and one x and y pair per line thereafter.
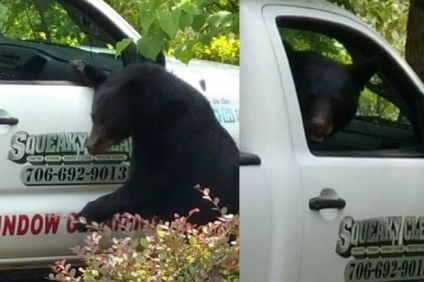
x,y
177,144
328,91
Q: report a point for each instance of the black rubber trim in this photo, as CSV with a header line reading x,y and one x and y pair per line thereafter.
x,y
249,159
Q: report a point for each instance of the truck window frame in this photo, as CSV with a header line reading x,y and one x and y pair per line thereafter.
x,y
411,92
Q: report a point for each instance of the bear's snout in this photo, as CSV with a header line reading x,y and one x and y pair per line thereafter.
x,y
97,143
92,143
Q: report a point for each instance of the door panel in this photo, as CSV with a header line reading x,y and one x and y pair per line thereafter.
x,y
47,147
379,234
374,190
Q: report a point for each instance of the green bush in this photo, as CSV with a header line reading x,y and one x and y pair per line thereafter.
x,y
172,251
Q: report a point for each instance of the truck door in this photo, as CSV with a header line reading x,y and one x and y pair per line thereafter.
x,y
45,171
362,187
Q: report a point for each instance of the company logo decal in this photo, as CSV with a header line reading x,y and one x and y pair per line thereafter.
x,y
61,159
64,147
383,249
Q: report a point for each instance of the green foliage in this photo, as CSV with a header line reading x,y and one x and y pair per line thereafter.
x,y
373,105
176,251
304,40
388,17
221,49
3,13
42,20
150,46
184,28
120,46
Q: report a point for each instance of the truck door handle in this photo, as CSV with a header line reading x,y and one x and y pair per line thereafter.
x,y
318,203
9,121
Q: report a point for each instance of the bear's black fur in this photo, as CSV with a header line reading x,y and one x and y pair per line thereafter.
x,y
177,143
328,91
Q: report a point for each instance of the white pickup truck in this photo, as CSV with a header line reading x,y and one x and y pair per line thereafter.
x,y
349,208
46,172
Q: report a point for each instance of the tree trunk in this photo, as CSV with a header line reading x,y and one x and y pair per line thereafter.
x,y
414,49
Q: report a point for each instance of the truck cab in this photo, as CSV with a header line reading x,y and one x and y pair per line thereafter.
x,y
344,209
46,173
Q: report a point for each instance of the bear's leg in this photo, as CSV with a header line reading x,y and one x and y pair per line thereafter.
x,y
105,207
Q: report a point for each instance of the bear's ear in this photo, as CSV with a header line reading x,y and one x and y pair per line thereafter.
x,y
93,75
363,72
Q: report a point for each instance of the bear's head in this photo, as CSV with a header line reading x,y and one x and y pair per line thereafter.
x,y
328,91
111,110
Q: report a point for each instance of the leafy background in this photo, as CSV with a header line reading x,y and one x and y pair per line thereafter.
x,y
205,29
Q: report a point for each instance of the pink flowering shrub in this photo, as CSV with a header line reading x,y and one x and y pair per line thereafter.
x,y
172,251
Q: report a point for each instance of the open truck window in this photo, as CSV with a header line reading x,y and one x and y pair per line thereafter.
x,y
354,98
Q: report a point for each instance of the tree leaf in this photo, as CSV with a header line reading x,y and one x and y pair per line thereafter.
x,y
169,21
161,233
221,18
206,191
235,27
107,230
224,210
150,47
121,46
198,22
184,54
3,13
191,8
193,211
144,243
186,19
147,17
206,38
